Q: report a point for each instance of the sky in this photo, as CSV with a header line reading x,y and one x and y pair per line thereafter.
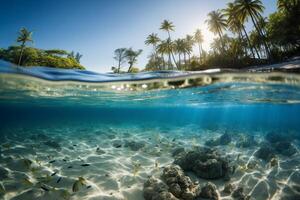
x,y
95,28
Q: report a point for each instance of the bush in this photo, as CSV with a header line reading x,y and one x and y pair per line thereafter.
x,y
39,57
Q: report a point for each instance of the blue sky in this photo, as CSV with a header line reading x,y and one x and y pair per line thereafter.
x,y
95,28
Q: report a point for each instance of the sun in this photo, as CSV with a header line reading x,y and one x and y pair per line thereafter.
x,y
207,36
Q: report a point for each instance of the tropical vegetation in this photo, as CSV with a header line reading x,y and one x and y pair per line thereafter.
x,y
272,39
263,40
123,55
24,55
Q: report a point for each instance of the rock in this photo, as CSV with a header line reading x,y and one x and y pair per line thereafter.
x,y
40,136
174,185
209,191
277,137
179,185
111,136
53,144
239,194
3,173
177,151
212,142
285,148
229,187
222,140
204,162
225,139
265,153
154,189
134,146
117,143
99,151
246,141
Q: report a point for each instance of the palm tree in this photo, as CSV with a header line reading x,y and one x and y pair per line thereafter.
x,y
217,24
180,49
287,5
120,56
131,56
153,40
198,37
170,47
78,56
252,9
237,26
189,45
168,27
162,49
24,36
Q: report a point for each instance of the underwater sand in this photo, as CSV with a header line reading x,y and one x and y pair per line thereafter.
x,y
116,161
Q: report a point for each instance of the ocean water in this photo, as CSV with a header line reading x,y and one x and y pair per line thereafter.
x,y
116,131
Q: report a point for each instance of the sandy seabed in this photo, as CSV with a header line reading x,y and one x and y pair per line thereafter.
x,y
113,162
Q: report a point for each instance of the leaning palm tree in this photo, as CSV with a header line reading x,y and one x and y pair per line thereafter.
x,y
237,26
24,37
131,56
217,24
168,27
252,9
198,37
153,40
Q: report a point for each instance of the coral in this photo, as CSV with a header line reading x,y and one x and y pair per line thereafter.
x,y
204,162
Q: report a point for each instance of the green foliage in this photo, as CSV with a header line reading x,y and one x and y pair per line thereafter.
x,y
74,56
132,56
120,57
38,57
154,63
57,52
134,70
272,39
24,36
129,55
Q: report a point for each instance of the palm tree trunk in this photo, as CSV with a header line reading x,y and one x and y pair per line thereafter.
x,y
261,36
241,38
174,59
21,53
199,53
119,66
179,62
172,51
164,62
221,38
155,55
129,69
250,45
169,62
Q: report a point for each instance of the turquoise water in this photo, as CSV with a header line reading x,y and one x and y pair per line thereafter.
x,y
55,119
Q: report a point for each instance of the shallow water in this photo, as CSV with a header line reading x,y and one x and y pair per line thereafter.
x,y
117,131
